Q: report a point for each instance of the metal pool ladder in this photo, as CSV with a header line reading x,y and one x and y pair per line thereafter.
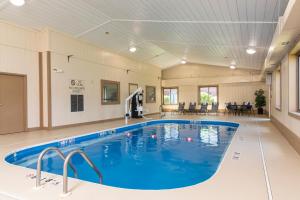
x,y
39,163
67,160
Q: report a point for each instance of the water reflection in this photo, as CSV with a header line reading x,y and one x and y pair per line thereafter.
x,y
209,135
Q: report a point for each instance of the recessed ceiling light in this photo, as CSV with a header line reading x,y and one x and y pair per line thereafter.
x,y
232,67
183,62
132,49
251,51
17,2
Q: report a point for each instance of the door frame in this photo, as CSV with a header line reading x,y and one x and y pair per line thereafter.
x,y
24,76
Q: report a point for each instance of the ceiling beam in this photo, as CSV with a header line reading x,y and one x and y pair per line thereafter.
x,y
194,22
92,29
195,44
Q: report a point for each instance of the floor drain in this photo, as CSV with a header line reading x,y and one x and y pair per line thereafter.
x,y
236,155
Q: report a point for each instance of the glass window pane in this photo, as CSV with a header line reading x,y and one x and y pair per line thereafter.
x,y
110,92
204,96
299,83
173,96
209,95
213,93
167,99
278,89
150,94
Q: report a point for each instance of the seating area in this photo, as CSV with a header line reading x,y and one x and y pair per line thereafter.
x,y
192,108
245,108
239,109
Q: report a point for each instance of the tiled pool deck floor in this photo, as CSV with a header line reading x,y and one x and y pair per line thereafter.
x,y
258,165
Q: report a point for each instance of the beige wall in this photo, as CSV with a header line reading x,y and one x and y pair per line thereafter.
x,y
205,73
288,114
19,49
234,85
91,64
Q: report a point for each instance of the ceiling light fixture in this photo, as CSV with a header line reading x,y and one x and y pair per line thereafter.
x,y
251,51
132,49
17,2
183,62
232,67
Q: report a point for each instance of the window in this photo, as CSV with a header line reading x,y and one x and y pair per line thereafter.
x,y
77,103
208,94
110,92
298,83
278,88
150,94
170,96
132,87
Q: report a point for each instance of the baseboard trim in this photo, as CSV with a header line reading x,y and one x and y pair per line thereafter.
x,y
33,129
291,137
91,122
84,123
156,113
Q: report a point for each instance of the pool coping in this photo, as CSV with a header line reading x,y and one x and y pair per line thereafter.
x,y
133,126
89,184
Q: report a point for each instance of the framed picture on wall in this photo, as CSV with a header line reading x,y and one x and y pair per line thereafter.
x,y
110,92
132,87
150,94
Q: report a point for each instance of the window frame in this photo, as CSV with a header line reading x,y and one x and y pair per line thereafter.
x,y
169,88
298,82
280,88
147,88
207,86
103,82
132,84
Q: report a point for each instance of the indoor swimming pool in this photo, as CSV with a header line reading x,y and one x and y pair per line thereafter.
x,y
154,155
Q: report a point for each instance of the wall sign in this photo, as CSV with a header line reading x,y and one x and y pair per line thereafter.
x,y
76,86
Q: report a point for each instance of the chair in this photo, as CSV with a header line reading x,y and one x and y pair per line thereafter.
x,y
235,108
214,108
192,107
229,108
249,109
203,108
181,108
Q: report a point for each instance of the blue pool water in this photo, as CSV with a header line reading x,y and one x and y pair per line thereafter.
x,y
161,154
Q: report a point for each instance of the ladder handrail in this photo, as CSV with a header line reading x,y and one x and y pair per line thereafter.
x,y
40,159
65,172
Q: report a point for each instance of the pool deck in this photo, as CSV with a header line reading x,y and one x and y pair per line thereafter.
x,y
259,165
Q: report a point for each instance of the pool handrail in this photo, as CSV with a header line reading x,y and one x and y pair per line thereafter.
x,y
65,172
39,163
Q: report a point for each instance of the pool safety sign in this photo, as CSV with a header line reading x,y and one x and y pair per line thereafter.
x,y
76,86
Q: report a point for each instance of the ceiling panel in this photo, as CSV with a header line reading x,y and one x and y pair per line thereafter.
x,y
164,31
146,51
72,17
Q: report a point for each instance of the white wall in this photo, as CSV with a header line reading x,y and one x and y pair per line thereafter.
x,y
288,100
91,64
19,48
19,54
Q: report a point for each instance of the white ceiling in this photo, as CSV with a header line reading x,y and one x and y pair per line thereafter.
x,y
164,31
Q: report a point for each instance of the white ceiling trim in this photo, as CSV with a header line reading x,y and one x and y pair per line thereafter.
x,y
205,45
92,29
196,22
